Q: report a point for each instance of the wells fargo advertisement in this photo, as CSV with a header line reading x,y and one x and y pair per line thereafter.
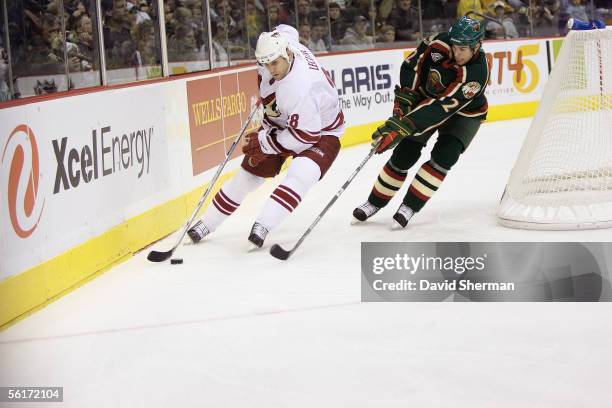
x,y
218,106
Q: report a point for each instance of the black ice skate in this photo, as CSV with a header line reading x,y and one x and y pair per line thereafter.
x,y
258,235
365,211
197,232
403,215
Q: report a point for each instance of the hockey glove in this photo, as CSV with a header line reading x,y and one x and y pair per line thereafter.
x,y
388,135
252,149
259,145
405,100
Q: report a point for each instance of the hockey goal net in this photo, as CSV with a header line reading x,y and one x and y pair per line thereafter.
x,y
562,179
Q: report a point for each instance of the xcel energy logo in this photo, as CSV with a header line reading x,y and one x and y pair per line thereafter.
x,y
25,205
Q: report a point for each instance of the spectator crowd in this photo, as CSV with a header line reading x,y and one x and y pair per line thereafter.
x,y
54,37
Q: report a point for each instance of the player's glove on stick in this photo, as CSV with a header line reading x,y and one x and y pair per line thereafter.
x,y
388,135
258,146
405,100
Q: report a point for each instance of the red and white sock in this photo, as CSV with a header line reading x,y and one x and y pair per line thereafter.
x,y
229,197
283,201
303,173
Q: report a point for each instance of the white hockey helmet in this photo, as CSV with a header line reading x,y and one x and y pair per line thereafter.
x,y
270,46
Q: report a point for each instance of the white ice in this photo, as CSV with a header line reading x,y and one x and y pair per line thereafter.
x,y
232,328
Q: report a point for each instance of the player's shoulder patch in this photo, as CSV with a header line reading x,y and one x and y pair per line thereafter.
x,y
470,89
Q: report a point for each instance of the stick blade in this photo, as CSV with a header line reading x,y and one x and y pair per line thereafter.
x,y
279,253
156,256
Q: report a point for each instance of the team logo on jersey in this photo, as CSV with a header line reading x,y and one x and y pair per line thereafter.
x,y
434,83
470,89
270,106
436,56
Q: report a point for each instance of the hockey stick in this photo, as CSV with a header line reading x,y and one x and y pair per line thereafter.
x,y
278,252
160,256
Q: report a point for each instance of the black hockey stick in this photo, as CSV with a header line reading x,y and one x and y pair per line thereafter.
x,y
278,252
160,256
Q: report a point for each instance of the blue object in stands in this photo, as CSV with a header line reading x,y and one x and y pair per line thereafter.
x,y
574,24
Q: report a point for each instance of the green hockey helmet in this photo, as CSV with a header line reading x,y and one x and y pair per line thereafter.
x,y
467,31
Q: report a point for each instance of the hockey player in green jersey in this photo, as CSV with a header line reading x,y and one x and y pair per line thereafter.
x,y
441,89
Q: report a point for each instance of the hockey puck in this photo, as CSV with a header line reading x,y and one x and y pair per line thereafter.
x,y
176,261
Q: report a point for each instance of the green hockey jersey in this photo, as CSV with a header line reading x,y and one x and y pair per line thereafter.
x,y
445,88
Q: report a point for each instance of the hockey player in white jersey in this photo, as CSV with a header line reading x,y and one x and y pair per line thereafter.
x,y
302,119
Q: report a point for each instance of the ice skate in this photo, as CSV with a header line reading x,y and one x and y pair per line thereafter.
x,y
403,215
364,211
197,232
258,235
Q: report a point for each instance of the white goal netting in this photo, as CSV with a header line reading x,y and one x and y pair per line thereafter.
x,y
562,178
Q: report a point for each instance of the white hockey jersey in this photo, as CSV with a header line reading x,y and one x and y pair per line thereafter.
x,y
304,104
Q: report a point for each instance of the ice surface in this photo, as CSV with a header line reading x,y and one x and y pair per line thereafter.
x,y
232,328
